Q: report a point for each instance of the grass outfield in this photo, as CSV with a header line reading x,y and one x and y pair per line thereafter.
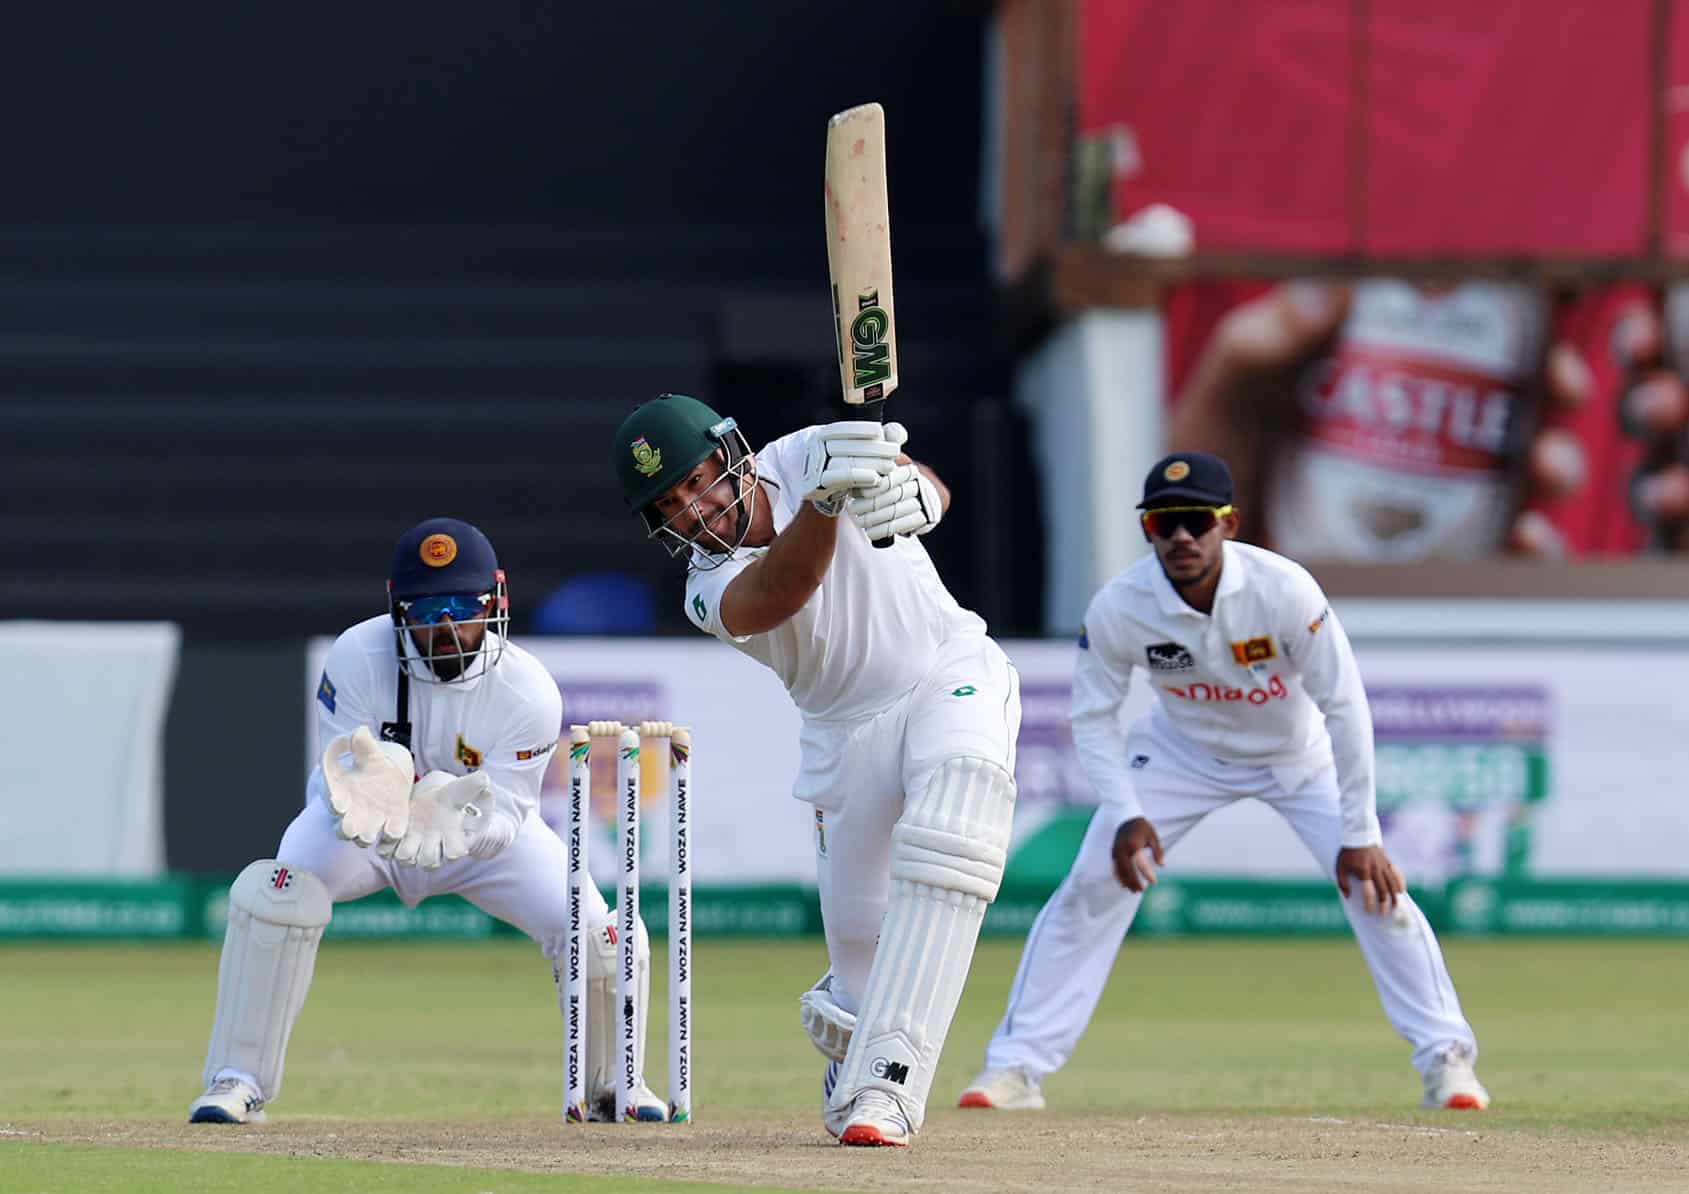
x,y
436,1067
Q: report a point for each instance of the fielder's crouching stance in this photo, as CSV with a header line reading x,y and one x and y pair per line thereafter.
x,y
431,689
910,714
1258,694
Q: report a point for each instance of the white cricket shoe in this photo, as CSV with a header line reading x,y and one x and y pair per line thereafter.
x,y
1451,1081
228,1101
1003,1090
874,1119
645,1107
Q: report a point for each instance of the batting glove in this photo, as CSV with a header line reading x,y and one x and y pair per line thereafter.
x,y
905,502
843,456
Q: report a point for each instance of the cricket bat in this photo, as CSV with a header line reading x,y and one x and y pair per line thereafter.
x,y
859,254
859,259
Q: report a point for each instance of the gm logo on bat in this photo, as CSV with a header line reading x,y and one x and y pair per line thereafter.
x,y
870,358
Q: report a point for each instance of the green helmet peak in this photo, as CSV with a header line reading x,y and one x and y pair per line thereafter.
x,y
661,442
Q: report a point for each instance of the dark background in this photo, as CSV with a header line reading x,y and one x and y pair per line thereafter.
x,y
277,281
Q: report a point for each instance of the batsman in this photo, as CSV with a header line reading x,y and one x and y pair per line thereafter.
x,y
910,714
437,731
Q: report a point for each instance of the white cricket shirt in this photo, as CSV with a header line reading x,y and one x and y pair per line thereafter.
x,y
503,721
1267,679
867,635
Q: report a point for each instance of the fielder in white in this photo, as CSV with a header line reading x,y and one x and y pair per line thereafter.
x,y
1257,695
910,714
432,688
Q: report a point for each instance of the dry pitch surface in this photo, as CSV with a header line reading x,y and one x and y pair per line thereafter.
x,y
974,1152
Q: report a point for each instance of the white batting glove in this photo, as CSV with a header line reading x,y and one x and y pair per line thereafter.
x,y
843,456
370,802
905,502
443,814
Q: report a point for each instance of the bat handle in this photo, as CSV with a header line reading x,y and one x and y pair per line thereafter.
x,y
877,412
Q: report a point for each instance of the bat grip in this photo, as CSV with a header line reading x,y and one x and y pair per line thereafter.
x,y
877,412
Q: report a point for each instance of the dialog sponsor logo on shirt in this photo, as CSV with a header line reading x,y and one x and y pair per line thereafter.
x,y
1204,693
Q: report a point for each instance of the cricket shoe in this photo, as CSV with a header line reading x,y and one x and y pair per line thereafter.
x,y
1452,1083
228,1101
1003,1090
644,1107
874,1119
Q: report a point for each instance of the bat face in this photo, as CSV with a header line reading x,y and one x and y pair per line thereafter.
x,y
859,254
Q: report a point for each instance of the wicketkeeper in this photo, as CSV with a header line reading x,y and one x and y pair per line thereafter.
x,y
437,732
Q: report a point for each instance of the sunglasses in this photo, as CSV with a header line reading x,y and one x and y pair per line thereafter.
x,y
1164,523
459,607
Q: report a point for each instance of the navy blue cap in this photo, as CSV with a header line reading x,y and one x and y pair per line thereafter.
x,y
442,555
1197,477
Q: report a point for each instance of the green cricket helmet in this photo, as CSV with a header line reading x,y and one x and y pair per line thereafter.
x,y
658,446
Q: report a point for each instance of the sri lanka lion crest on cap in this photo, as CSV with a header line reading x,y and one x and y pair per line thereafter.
x,y
646,459
438,550
1177,471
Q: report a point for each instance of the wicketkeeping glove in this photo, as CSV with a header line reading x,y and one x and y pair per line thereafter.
x,y
494,830
905,502
443,814
854,454
370,802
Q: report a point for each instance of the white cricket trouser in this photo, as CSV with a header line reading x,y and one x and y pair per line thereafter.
x,y
857,772
525,884
1073,943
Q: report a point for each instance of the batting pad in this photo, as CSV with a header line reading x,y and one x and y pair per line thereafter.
x,y
604,1009
277,914
947,856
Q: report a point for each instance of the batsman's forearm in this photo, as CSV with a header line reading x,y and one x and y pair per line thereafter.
x,y
943,489
775,587
800,555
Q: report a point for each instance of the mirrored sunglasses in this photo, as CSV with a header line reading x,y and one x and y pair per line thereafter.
x,y
1164,522
459,607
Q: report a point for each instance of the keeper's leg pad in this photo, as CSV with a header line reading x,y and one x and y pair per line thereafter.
x,y
947,857
277,914
604,1010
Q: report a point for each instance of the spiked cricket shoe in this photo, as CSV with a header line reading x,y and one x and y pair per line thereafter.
x,y
1452,1083
1003,1090
874,1119
228,1101
644,1107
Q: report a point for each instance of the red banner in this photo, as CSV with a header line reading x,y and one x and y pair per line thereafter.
x,y
1437,127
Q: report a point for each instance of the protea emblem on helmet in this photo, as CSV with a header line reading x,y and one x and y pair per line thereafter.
x,y
646,458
